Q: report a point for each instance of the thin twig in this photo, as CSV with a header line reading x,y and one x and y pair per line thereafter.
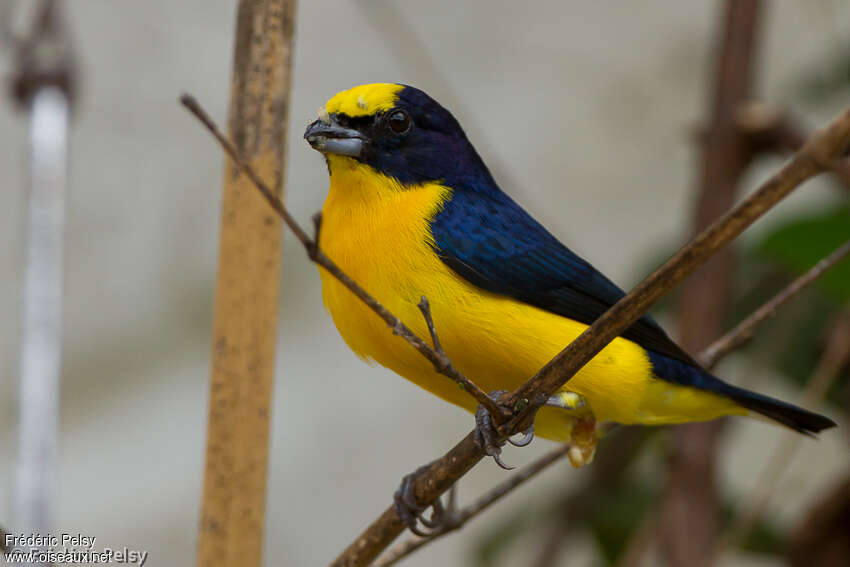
x,y
744,331
444,364
460,518
438,359
425,308
814,157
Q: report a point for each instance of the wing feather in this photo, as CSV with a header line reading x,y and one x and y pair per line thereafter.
x,y
494,244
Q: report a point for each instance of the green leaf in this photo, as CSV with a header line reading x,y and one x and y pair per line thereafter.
x,y
801,243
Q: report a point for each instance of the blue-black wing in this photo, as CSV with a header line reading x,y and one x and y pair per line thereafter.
x,y
494,244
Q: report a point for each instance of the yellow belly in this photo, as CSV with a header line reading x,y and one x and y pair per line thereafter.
x,y
378,233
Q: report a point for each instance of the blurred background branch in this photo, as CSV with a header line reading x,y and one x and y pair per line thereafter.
x,y
688,518
834,358
458,518
743,331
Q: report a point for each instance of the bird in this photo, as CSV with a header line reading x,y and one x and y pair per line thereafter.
x,y
412,211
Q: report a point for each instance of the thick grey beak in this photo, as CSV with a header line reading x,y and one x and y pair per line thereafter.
x,y
334,139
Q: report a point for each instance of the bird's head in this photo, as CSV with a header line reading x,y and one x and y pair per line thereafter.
x,y
399,131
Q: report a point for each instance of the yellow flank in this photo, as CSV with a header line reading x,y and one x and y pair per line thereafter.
x,y
364,100
378,232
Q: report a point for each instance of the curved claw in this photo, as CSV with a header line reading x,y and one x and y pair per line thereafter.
x,y
437,516
410,513
527,437
497,457
486,435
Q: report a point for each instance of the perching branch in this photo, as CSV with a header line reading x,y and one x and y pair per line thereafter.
x,y
816,155
435,355
460,518
709,357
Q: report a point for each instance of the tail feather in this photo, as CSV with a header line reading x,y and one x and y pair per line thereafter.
x,y
795,417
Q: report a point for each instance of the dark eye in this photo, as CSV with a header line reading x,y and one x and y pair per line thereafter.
x,y
399,122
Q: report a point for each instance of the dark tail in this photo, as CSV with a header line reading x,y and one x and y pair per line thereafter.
x,y
796,418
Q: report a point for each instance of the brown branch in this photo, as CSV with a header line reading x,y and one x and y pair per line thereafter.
x,y
459,519
436,357
708,358
743,332
445,363
815,156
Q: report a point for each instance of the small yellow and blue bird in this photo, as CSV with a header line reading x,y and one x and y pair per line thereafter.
x,y
412,211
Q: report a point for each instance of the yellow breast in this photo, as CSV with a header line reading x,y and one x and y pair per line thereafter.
x,y
378,232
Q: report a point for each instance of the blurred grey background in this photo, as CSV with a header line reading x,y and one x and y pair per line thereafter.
x,y
590,107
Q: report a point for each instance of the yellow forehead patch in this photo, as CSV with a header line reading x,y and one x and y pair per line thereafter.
x,y
364,100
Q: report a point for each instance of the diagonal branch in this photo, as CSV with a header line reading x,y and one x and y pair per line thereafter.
x,y
436,357
744,331
460,518
709,357
816,155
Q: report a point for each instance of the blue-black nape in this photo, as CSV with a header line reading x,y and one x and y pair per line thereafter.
x,y
434,149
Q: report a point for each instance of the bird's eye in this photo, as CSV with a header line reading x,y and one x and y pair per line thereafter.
x,y
399,122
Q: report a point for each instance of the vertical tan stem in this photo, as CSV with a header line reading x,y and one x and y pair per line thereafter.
x,y
249,269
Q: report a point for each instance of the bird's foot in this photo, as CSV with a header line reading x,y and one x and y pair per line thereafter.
x,y
487,435
404,503
583,442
